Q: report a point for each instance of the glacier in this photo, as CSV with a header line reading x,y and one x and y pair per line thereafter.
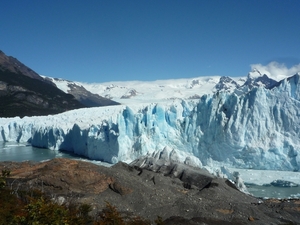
x,y
258,129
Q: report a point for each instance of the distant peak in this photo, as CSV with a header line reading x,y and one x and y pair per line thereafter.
x,y
295,76
226,83
255,73
226,79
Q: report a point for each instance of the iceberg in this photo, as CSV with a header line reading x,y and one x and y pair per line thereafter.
x,y
283,183
258,129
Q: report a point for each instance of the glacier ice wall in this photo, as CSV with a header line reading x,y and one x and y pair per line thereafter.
x,y
259,129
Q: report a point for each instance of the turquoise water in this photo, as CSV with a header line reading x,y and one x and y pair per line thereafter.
x,y
274,192
22,152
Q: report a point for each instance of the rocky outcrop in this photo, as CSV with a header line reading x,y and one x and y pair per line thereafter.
x,y
87,98
162,162
61,176
131,93
148,194
80,93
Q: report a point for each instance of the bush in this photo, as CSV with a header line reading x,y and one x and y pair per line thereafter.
x,y
5,174
32,207
45,211
111,216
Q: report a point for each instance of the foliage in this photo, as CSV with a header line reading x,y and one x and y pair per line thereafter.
x,y
5,174
110,216
10,206
45,211
32,207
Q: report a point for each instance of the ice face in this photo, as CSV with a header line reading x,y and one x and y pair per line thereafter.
x,y
258,129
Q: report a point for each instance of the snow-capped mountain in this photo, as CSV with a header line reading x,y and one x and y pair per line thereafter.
x,y
127,92
228,84
24,93
80,93
256,129
256,79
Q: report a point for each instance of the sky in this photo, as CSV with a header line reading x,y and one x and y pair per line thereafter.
x,y
123,40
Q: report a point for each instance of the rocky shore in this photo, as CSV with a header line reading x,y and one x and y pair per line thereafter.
x,y
178,193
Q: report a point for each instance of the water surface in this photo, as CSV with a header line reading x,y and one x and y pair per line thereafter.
x,y
19,152
273,192
22,152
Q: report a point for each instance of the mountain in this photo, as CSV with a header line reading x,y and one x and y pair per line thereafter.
x,y
248,122
127,92
11,64
243,85
24,96
256,79
258,129
25,93
84,96
226,84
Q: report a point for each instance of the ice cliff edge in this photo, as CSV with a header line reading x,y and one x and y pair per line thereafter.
x,y
258,129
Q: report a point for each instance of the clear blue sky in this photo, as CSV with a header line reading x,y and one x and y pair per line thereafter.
x,y
99,41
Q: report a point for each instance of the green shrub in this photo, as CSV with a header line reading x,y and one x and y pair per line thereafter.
x,y
111,216
5,174
45,211
32,207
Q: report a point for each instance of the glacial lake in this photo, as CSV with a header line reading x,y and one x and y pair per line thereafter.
x,y
22,152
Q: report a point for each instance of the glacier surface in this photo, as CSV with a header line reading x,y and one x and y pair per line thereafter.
x,y
258,129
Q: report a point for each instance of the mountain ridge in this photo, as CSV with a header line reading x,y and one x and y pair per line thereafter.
x,y
25,93
11,64
80,93
127,92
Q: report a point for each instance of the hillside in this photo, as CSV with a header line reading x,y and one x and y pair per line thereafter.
x,y
132,92
11,64
194,198
25,93
24,96
80,93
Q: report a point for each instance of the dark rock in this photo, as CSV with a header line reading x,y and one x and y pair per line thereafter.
x,y
25,93
21,96
131,93
118,188
87,98
11,64
189,175
226,83
148,194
